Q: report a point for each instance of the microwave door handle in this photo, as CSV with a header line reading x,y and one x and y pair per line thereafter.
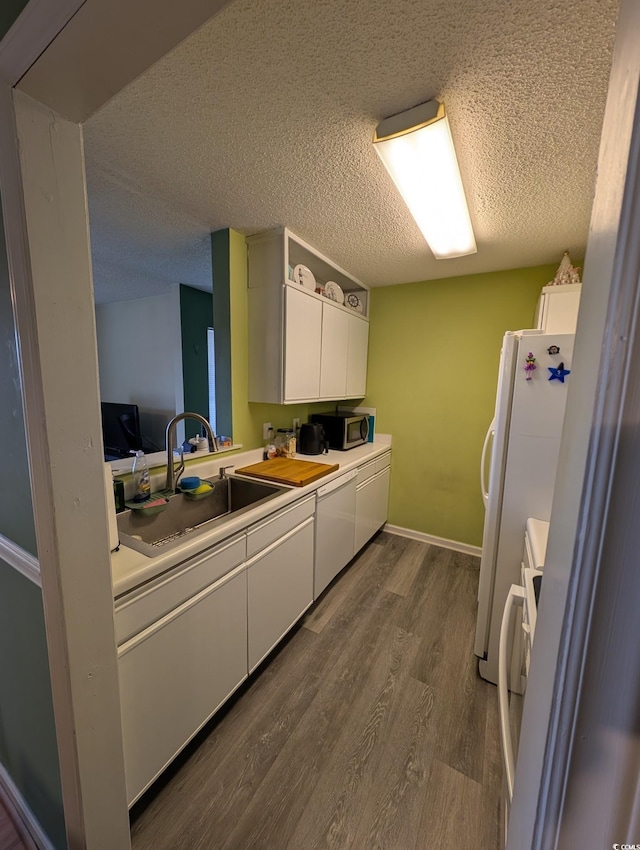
x,y
364,425
514,597
483,462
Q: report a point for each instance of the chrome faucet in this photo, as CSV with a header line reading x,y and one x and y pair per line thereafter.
x,y
172,479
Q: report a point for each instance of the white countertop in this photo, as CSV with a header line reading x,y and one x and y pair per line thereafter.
x,y
130,569
537,531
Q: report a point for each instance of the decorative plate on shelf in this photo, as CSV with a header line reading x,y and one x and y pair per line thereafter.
x,y
354,301
305,277
334,292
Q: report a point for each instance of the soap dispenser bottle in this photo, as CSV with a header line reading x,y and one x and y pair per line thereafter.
x,y
141,479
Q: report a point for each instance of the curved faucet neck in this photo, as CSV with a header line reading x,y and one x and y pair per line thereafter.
x,y
170,438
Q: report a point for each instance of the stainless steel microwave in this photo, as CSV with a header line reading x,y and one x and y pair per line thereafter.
x,y
344,430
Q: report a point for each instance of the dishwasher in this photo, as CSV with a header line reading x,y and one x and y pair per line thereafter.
x,y
335,529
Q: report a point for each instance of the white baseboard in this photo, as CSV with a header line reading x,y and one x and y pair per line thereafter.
x,y
13,799
465,548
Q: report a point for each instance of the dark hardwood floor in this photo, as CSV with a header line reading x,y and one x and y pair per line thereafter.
x,y
368,728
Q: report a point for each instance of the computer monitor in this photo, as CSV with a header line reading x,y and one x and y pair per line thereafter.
x,y
120,429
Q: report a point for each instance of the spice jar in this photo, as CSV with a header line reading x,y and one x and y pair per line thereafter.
x,y
286,442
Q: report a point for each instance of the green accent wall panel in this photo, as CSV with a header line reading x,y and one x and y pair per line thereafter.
x,y
434,349
196,317
220,267
28,748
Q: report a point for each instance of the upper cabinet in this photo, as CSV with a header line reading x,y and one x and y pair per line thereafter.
x,y
303,344
557,311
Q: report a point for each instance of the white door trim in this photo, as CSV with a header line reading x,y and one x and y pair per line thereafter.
x,y
47,244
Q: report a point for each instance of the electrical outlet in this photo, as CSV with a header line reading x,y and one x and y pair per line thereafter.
x,y
265,430
296,424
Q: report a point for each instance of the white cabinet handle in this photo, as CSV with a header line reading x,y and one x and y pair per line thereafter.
x,y
514,597
483,462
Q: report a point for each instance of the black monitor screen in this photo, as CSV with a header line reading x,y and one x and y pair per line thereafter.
x,y
120,429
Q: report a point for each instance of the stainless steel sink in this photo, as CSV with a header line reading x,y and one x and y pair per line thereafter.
x,y
186,517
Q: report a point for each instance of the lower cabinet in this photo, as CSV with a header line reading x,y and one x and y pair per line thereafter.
x,y
372,503
280,589
175,674
188,640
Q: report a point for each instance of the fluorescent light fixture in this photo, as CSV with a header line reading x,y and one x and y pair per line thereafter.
x,y
417,150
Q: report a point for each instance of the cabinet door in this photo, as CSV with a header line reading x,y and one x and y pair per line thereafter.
x,y
357,357
372,506
302,341
174,676
280,589
335,350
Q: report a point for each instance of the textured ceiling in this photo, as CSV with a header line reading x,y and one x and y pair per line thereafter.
x,y
265,116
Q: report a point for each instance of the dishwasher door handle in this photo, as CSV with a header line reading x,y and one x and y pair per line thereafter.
x,y
335,485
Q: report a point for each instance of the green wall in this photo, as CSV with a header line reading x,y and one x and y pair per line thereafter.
x,y
196,316
433,361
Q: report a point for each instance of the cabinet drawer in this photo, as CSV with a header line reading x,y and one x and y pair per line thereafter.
x,y
383,462
366,471
154,600
262,534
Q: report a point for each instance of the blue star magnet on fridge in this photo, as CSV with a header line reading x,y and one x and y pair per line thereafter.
x,y
558,374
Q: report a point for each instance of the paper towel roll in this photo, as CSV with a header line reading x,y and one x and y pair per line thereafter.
x,y
114,538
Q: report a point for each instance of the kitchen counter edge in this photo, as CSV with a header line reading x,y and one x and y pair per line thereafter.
x,y
130,569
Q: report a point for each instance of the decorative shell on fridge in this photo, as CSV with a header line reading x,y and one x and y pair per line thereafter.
x,y
566,272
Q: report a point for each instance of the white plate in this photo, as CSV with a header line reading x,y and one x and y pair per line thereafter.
x,y
305,277
334,292
354,301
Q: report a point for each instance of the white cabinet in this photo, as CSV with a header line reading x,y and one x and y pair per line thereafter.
x,y
334,352
557,311
372,499
147,604
357,357
175,674
302,346
280,589
303,335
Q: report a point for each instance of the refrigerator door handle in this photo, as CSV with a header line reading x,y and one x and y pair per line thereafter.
x,y
514,597
483,462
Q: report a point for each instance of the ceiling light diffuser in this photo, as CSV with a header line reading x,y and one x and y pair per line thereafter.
x,y
417,150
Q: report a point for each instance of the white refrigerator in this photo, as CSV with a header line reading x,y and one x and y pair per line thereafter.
x,y
521,451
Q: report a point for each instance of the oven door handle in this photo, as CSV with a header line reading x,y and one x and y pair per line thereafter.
x,y
515,597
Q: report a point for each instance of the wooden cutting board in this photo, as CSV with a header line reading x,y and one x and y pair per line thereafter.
x,y
287,470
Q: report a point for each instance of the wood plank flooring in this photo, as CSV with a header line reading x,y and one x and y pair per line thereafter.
x,y
369,728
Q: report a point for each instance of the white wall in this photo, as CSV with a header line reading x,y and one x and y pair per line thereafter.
x,y
139,358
